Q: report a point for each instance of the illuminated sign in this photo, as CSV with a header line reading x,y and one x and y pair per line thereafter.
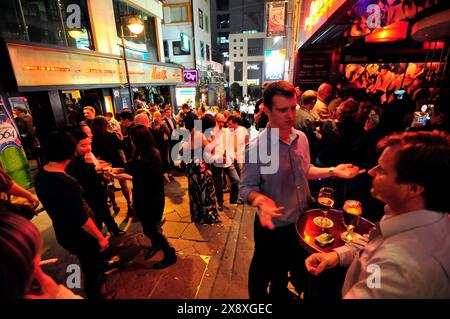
x,y
185,43
38,66
274,64
190,76
317,12
276,18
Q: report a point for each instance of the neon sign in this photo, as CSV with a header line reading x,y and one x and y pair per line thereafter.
x,y
317,10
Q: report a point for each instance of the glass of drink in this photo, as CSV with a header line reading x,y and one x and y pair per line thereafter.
x,y
352,211
326,201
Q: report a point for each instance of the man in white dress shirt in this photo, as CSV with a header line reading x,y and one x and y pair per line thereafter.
x,y
220,154
407,254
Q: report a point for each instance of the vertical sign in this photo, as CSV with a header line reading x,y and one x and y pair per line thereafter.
x,y
276,18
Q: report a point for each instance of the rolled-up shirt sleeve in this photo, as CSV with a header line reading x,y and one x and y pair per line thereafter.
x,y
250,180
348,251
5,181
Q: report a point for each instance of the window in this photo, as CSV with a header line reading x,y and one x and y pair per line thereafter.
x,y
206,23
202,50
166,48
255,47
222,5
222,38
242,55
141,46
234,40
223,21
45,21
238,71
234,55
208,55
177,13
242,48
254,70
200,18
234,48
176,48
242,40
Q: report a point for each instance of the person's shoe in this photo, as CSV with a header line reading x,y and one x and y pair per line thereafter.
x,y
151,252
167,261
220,207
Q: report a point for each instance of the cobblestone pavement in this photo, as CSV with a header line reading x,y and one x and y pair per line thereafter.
x,y
213,260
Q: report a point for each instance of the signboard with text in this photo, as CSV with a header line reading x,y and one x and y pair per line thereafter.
x,y
191,76
274,65
276,18
36,66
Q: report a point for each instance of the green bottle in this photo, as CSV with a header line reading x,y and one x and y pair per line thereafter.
x,y
12,155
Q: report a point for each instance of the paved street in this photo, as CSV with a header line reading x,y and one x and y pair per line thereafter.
x,y
212,262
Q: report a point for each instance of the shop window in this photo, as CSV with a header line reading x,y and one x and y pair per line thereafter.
x,y
176,49
141,46
47,21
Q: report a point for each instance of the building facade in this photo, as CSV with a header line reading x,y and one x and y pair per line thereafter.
x,y
187,42
234,16
53,51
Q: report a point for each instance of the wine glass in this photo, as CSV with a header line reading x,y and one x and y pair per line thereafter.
x,y
352,211
326,201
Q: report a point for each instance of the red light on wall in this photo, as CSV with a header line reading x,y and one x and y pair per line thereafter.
x,y
433,45
393,32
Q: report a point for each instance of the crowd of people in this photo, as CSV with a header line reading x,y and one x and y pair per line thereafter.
x,y
327,136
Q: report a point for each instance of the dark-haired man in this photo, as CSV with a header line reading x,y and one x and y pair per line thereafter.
x,y
280,194
407,254
72,219
189,117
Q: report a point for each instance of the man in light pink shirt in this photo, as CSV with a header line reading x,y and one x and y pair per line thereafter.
x,y
407,254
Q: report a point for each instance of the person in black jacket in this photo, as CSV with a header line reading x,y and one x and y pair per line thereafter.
x,y
88,171
145,170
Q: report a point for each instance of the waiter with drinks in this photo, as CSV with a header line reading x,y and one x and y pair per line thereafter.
x,y
280,196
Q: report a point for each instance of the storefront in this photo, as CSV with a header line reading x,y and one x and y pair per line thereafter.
x,y
47,78
371,45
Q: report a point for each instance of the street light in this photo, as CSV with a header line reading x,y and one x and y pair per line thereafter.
x,y
135,26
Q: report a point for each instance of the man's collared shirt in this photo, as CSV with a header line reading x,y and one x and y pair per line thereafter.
x,y
288,186
410,252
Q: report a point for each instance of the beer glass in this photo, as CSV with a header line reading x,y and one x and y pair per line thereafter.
x,y
326,201
352,211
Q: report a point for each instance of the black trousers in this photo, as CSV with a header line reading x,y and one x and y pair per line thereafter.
x,y
276,253
92,263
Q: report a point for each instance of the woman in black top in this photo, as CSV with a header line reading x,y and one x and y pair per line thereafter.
x,y
90,176
72,219
145,169
107,146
